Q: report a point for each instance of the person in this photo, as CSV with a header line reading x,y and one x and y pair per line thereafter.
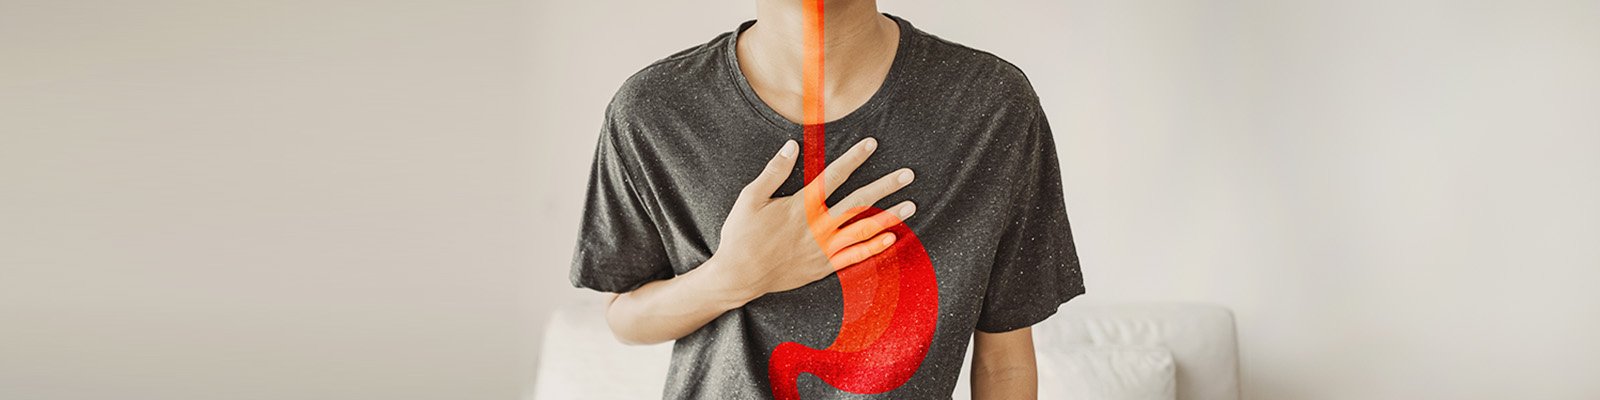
x,y
700,231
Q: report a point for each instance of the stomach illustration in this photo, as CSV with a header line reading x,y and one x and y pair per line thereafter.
x,y
890,300
891,307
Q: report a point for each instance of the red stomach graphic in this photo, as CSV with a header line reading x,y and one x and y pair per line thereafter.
x,y
891,306
891,300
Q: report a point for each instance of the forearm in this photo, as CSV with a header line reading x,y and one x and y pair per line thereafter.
x,y
669,309
1003,366
1011,383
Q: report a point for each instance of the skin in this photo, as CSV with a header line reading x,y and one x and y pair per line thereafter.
x,y
767,244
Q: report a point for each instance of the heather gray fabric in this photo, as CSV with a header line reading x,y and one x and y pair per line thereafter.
x,y
684,134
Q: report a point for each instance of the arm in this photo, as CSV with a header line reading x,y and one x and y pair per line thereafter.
x,y
768,245
1003,366
669,309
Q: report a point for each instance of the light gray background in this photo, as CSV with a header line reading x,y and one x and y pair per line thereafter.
x,y
377,199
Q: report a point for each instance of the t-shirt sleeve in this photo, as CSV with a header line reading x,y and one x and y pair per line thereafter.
x,y
619,247
1036,263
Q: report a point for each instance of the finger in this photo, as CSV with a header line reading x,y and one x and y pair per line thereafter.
x,y
861,251
772,176
841,168
868,227
870,194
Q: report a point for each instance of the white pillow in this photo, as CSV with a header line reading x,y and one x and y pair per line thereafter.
x,y
1107,372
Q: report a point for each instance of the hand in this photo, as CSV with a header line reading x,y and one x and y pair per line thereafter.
x,y
778,244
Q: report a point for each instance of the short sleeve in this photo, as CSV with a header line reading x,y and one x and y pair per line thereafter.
x,y
1036,263
619,247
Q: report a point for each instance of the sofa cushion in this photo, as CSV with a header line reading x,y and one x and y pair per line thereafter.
x,y
1107,372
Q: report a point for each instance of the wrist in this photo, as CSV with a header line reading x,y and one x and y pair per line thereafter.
x,y
720,280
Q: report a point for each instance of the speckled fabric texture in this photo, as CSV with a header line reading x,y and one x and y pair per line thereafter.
x,y
683,135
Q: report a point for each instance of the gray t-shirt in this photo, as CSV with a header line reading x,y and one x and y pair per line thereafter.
x,y
683,135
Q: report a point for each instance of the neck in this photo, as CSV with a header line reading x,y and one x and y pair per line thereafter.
x,y
783,23
854,31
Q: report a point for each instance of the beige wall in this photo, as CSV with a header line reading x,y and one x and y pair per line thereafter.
x,y
377,199
264,199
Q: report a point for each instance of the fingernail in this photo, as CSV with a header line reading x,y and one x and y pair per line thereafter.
x,y
788,149
906,176
910,208
870,143
888,239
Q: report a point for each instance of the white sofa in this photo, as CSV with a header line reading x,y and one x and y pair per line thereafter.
x,y
1129,351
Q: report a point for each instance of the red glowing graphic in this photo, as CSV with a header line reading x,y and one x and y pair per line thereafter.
x,y
891,300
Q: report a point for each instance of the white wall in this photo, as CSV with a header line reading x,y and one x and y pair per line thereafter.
x,y
264,199
377,199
